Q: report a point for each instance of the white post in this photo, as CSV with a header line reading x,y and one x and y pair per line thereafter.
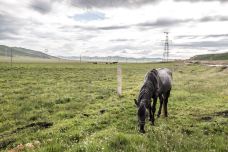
x,y
11,57
119,80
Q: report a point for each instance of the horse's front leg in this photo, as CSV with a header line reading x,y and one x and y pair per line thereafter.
x,y
150,111
153,109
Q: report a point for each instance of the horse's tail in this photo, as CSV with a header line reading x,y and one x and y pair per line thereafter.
x,y
170,73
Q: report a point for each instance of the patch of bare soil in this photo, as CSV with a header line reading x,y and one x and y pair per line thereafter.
x,y
206,118
222,113
5,143
209,117
40,125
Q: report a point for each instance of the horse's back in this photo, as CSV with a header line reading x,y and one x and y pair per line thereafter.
x,y
165,79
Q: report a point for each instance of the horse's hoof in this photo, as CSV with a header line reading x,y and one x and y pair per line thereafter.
x,y
142,131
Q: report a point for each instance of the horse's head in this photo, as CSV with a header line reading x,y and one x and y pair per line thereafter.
x,y
141,114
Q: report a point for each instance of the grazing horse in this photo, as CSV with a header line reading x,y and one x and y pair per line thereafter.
x,y
157,83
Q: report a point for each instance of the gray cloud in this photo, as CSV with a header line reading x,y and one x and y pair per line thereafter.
x,y
187,36
202,36
121,40
110,3
200,1
13,28
8,24
213,18
9,27
155,24
123,3
216,35
7,36
101,28
163,23
112,27
85,37
41,6
204,44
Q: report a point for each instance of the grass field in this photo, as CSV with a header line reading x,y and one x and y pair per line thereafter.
x,y
212,57
87,115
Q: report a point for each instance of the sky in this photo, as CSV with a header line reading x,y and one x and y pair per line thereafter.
x,y
128,28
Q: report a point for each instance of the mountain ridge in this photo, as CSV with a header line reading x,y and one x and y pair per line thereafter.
x,y
23,52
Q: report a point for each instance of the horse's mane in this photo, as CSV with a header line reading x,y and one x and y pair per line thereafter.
x,y
151,76
150,85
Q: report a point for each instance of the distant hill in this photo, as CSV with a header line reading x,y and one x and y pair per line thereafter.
x,y
221,56
22,52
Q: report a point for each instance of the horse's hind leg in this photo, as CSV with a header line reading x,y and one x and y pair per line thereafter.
x,y
160,107
166,103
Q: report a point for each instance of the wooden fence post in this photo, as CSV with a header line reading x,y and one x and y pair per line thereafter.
x,y
119,80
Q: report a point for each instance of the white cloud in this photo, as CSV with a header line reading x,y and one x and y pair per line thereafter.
x,y
125,30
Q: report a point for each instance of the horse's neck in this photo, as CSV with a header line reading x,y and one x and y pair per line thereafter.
x,y
148,85
146,92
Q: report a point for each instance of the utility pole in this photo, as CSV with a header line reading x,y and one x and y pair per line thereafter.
x,y
166,47
6,52
119,80
11,57
45,53
80,58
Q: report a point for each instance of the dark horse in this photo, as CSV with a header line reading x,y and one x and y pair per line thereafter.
x,y
157,84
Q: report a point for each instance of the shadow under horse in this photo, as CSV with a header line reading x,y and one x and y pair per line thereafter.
x,y
157,84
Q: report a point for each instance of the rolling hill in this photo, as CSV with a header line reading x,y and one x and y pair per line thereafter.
x,y
5,51
221,56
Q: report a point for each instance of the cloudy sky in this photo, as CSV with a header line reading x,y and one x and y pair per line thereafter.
x,y
133,28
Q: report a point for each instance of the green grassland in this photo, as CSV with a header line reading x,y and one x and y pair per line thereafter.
x,y
87,115
211,57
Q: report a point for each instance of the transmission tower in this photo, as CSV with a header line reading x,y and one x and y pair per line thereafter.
x,y
166,47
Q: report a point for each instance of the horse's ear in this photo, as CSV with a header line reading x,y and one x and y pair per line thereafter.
x,y
136,103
